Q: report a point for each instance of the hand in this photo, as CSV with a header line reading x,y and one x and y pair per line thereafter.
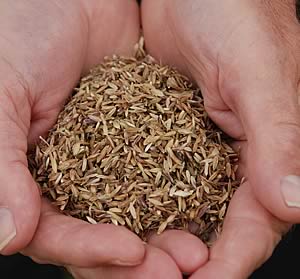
x,y
93,251
249,236
44,48
244,56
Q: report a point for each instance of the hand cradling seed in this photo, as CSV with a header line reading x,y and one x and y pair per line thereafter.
x,y
134,146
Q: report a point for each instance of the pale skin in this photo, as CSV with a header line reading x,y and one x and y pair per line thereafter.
x,y
44,48
244,56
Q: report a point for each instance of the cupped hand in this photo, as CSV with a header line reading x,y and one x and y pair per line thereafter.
x,y
44,48
244,55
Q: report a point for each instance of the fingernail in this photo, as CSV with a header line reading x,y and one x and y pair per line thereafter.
x,y
125,263
290,189
7,227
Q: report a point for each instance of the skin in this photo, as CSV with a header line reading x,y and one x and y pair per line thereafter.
x,y
44,49
244,56
35,84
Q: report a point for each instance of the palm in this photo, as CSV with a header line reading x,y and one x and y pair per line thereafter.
x,y
222,47
67,40
42,56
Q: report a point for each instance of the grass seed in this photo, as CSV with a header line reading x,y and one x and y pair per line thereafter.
x,y
135,147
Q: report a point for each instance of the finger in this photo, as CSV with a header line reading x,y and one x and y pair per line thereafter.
x,y
64,240
114,28
249,237
19,195
187,250
157,264
265,100
160,42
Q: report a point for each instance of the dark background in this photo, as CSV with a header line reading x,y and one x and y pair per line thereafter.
x,y
282,264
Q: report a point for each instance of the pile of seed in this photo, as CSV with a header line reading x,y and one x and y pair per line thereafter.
x,y
135,147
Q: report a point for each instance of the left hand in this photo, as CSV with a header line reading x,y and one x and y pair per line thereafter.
x,y
244,56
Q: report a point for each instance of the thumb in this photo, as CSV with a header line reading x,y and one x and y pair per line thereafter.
x,y
271,119
19,195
